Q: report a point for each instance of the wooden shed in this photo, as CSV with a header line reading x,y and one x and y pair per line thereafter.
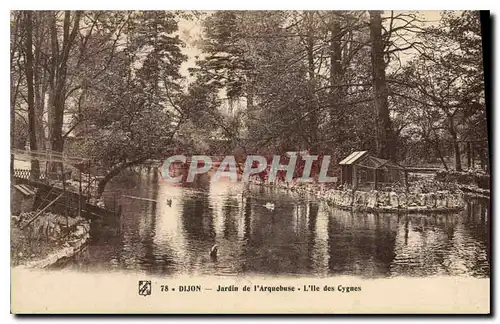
x,y
22,198
362,170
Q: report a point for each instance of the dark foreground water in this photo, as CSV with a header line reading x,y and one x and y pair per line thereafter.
x,y
173,232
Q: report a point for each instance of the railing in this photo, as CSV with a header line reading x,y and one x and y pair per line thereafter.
x,y
26,174
47,156
42,175
70,203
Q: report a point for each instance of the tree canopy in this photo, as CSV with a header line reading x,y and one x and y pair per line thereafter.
x,y
109,84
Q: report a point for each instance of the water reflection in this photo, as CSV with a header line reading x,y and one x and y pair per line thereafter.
x,y
444,244
172,228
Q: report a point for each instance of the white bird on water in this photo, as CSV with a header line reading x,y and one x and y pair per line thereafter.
x,y
269,206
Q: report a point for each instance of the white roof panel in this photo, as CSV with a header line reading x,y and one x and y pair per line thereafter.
x,y
353,157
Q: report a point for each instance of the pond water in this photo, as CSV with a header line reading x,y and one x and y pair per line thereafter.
x,y
172,228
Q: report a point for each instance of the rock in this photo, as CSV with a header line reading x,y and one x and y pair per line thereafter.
x,y
454,201
431,200
383,199
86,226
348,199
334,196
412,201
403,201
372,199
421,199
365,198
441,201
359,198
393,200
80,231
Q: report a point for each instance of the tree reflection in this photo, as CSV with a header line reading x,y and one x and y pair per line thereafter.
x,y
299,236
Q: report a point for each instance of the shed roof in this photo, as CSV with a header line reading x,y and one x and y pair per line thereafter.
x,y
363,159
353,157
25,189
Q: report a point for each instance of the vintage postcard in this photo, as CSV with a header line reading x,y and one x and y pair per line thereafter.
x,y
249,162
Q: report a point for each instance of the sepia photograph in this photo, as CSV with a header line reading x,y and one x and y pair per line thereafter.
x,y
284,161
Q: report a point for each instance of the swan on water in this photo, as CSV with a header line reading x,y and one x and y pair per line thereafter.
x,y
269,206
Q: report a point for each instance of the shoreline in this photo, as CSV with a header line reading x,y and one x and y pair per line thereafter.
x,y
379,201
70,245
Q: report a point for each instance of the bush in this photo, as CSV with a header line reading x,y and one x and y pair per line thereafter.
x,y
477,178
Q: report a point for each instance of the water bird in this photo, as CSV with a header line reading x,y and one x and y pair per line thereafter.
x,y
245,192
269,206
213,251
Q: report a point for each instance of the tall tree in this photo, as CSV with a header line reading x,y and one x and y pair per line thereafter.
x,y
35,167
16,75
384,138
445,81
59,73
142,108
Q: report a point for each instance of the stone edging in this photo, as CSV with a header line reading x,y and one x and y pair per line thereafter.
x,y
380,201
82,234
475,191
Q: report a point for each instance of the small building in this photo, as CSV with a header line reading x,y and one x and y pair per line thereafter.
x,y
22,198
362,170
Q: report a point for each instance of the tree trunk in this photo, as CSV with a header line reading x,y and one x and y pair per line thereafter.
x,y
336,112
441,158
456,147
250,96
469,155
39,80
313,118
59,79
53,167
114,172
13,87
384,142
35,167
56,138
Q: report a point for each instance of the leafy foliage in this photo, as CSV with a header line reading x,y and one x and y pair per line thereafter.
x,y
320,81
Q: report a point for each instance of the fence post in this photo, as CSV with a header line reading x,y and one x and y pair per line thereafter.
x,y
65,195
80,194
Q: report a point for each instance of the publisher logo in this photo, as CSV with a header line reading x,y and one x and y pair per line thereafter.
x,y
144,287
